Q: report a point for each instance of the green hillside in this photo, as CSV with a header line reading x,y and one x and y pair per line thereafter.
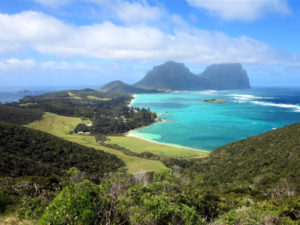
x,y
263,161
19,115
28,152
122,88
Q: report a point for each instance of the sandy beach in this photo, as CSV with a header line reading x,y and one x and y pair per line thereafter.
x,y
130,134
132,100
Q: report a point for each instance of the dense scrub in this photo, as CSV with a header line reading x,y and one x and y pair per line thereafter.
x,y
159,198
24,151
19,115
256,179
124,199
263,160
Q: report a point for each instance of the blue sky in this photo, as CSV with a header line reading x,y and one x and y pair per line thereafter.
x,y
91,42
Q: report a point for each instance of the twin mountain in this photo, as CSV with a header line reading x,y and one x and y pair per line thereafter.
x,y
173,76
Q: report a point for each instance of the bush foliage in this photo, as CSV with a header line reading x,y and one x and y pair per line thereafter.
x,y
24,151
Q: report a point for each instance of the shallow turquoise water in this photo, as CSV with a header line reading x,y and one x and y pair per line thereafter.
x,y
192,123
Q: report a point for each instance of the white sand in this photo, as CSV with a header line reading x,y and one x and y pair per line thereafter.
x,y
130,134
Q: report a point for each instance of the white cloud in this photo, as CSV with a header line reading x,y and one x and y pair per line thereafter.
x,y
17,64
44,34
136,12
246,10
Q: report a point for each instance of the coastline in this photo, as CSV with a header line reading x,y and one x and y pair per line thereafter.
x,y
130,134
132,100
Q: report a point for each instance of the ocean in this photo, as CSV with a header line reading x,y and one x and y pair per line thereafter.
x,y
190,122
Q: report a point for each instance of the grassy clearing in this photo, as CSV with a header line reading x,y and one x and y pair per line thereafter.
x,y
138,145
61,126
99,99
27,104
74,96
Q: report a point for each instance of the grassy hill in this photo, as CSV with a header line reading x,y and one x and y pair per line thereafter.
x,y
62,125
123,88
139,146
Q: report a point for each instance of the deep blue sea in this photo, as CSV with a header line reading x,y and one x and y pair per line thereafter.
x,y
195,124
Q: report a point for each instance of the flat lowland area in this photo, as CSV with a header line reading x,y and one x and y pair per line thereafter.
x,y
138,145
61,126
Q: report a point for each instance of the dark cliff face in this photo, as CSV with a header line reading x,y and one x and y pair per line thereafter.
x,y
176,76
171,76
226,76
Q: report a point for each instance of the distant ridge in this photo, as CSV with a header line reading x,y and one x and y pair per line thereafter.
x,y
173,76
123,88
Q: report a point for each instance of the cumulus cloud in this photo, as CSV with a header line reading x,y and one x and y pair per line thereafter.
x,y
16,64
136,12
246,10
44,34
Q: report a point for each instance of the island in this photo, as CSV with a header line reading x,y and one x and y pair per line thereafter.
x,y
173,76
214,101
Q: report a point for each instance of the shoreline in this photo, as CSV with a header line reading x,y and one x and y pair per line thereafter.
x,y
132,100
130,134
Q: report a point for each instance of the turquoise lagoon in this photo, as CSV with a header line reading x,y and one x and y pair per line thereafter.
x,y
191,123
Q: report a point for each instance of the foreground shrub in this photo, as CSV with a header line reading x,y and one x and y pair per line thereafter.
x,y
76,204
160,202
31,208
248,216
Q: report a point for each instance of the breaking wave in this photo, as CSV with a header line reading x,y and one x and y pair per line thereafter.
x,y
243,98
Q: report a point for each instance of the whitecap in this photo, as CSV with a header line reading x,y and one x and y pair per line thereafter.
x,y
242,98
208,92
295,108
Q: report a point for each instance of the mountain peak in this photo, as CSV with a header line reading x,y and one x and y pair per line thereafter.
x,y
170,76
176,76
226,76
